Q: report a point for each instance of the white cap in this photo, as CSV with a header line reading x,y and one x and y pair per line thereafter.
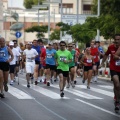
x,y
11,43
29,43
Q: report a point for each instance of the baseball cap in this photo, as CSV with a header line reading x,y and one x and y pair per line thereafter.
x,y
29,43
11,43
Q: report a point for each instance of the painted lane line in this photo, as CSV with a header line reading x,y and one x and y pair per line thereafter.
x,y
106,86
18,93
46,92
79,93
99,108
104,92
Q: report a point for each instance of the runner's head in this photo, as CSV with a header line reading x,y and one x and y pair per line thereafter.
x,y
55,46
97,43
50,46
15,43
29,45
70,46
87,50
117,40
92,44
2,42
62,45
11,44
35,43
40,42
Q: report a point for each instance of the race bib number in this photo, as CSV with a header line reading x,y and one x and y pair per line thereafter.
x,y
49,56
89,61
63,58
117,63
29,60
94,56
2,54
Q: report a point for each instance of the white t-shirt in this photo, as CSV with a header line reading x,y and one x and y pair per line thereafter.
x,y
16,54
19,50
29,54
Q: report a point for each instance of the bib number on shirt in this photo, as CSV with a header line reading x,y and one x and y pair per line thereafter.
x,y
2,54
89,61
94,56
29,60
117,63
49,56
63,58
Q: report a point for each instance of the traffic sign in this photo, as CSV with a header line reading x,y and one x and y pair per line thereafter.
x,y
18,34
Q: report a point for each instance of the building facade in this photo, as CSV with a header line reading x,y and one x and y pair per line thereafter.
x,y
30,18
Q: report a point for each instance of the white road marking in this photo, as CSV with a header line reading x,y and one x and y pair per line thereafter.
x,y
18,93
79,93
104,92
99,108
106,87
46,92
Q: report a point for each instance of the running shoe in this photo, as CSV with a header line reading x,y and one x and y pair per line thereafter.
x,y
5,87
68,85
117,107
2,95
88,87
36,82
72,84
83,81
28,85
51,81
75,81
11,82
48,83
62,94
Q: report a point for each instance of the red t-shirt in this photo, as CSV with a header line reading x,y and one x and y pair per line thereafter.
x,y
43,56
112,50
95,53
89,62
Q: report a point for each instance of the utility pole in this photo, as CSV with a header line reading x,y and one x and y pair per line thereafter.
x,y
98,14
77,11
1,18
61,19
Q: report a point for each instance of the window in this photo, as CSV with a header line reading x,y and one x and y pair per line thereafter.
x,y
87,9
67,8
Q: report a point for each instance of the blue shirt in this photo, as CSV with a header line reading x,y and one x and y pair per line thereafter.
x,y
49,58
37,48
4,56
101,49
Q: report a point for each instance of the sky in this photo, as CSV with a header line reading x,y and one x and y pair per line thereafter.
x,y
15,3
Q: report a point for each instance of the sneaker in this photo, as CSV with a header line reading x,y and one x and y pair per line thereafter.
x,y
11,82
68,85
75,81
2,95
5,87
48,83
55,80
51,81
83,81
88,87
28,85
36,82
72,84
117,107
62,94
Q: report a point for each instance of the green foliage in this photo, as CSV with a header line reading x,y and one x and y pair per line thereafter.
x,y
109,20
28,3
39,29
55,35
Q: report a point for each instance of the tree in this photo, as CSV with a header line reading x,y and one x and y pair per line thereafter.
x,y
39,29
55,35
109,20
28,3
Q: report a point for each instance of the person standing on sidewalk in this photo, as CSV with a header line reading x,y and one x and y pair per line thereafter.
x,y
63,58
4,65
114,68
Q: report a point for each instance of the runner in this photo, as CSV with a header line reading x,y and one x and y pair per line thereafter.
x,y
4,65
13,62
71,67
50,63
95,53
63,58
87,61
114,68
30,54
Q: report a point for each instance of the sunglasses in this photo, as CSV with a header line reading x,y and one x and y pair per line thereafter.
x,y
69,46
62,45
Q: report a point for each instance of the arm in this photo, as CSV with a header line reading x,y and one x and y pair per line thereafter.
x,y
117,54
12,56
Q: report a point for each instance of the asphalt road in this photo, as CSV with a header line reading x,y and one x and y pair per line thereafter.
x,y
44,103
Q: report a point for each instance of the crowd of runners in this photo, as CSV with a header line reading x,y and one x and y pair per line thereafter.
x,y
58,61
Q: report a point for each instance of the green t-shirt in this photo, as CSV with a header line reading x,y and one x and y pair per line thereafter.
x,y
63,55
71,64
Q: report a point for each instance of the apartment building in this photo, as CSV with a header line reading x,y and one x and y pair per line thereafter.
x,y
30,18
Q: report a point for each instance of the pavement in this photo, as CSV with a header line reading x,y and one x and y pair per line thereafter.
x,y
44,103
